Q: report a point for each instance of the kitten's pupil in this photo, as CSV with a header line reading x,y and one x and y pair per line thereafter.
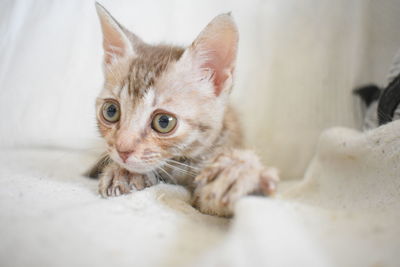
x,y
163,121
111,110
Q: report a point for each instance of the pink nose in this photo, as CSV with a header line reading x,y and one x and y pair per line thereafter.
x,y
124,155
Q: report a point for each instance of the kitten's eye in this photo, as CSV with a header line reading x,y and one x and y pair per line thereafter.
x,y
163,123
111,111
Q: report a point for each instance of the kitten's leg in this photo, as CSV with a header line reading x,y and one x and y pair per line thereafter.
x,y
115,181
98,168
231,175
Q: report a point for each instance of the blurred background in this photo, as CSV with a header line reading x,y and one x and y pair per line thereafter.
x,y
298,62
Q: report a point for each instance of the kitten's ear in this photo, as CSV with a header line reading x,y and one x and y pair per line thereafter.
x,y
116,43
215,50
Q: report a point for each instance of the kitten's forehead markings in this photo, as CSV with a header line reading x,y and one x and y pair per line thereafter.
x,y
140,78
148,65
136,115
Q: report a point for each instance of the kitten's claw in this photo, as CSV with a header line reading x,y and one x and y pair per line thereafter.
x,y
232,175
116,181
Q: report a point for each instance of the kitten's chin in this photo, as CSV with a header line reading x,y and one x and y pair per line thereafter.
x,y
137,167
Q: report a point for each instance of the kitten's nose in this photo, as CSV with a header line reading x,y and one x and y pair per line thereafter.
x,y
124,155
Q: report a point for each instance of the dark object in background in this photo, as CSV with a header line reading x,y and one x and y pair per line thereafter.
x,y
368,93
389,101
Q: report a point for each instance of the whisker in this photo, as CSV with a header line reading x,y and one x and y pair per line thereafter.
x,y
181,170
159,168
158,177
169,176
182,164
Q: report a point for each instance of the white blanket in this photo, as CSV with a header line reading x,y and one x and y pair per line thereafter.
x,y
344,213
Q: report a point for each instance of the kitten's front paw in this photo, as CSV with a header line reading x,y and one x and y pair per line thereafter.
x,y
231,175
116,181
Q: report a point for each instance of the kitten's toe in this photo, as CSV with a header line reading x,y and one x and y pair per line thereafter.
x,y
114,189
117,192
113,182
119,187
104,185
137,182
269,179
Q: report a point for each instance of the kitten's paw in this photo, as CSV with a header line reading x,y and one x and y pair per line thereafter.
x,y
231,175
116,181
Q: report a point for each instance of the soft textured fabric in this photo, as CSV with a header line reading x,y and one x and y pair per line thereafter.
x,y
345,213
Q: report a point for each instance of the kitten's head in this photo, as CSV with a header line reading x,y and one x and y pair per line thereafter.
x,y
161,102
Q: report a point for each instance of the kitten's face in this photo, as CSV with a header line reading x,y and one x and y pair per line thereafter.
x,y
161,102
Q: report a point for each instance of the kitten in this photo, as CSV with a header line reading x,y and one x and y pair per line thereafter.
x,y
164,115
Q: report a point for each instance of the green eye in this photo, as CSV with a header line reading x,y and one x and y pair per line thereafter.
x,y
163,123
110,111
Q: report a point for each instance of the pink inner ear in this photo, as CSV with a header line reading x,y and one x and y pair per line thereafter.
x,y
219,42
221,63
113,44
